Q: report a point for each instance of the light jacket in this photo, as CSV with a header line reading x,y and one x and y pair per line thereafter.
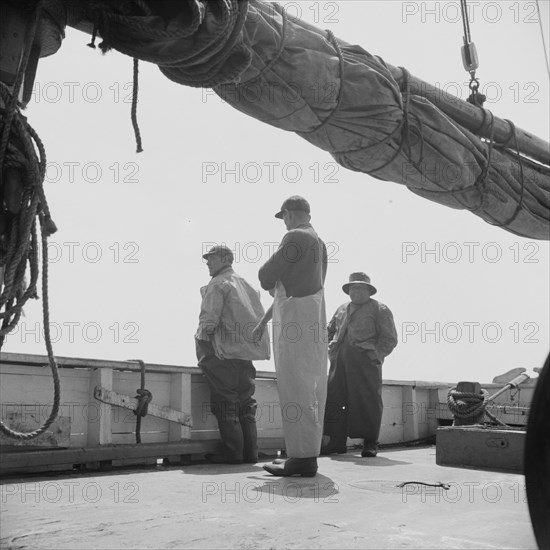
x,y
230,310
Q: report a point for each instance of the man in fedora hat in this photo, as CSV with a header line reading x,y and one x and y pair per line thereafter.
x,y
361,334
230,310
295,276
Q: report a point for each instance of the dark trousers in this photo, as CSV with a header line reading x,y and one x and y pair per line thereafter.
x,y
354,396
231,384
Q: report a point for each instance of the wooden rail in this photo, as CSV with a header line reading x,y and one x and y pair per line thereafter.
x,y
89,432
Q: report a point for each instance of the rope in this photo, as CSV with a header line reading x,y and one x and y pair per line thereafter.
x,y
206,64
135,125
404,128
522,180
438,484
543,41
101,18
470,405
480,181
22,175
144,397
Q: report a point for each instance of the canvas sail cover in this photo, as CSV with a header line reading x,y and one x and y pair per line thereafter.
x,y
342,99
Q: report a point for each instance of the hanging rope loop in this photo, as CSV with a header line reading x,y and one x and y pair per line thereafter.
x,y
22,201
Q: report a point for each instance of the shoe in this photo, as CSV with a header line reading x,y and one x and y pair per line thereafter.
x,y
328,450
220,459
369,450
305,467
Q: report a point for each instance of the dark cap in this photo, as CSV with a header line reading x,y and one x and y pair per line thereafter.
x,y
294,203
222,250
359,278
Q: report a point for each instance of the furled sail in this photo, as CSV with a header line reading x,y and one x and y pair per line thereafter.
x,y
337,96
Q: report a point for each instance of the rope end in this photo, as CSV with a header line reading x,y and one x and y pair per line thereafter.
x,y
49,226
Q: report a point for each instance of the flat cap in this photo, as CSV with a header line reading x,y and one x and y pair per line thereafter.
x,y
294,203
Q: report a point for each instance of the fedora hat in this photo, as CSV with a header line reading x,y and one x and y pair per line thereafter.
x,y
359,278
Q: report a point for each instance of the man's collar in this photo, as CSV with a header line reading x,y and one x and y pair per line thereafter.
x,y
223,270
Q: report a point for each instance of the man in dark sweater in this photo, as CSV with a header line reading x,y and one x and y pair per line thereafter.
x,y
361,334
294,276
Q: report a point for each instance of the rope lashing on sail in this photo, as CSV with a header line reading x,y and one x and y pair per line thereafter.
x,y
470,405
404,130
22,173
200,57
400,133
480,181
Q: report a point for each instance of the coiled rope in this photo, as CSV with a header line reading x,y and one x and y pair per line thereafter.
x,y
470,405
25,201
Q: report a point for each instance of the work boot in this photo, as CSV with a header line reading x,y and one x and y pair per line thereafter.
x,y
370,450
334,446
305,467
250,435
232,438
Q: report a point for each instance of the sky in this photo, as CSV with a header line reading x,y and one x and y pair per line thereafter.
x,y
470,301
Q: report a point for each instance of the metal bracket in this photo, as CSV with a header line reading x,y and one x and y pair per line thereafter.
x,y
127,402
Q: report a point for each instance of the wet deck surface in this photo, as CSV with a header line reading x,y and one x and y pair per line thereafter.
x,y
353,502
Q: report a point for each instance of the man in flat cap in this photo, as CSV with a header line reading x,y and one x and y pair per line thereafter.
x,y
230,310
361,334
295,276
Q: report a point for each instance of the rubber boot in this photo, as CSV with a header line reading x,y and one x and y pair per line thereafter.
x,y
335,429
250,435
370,449
232,438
